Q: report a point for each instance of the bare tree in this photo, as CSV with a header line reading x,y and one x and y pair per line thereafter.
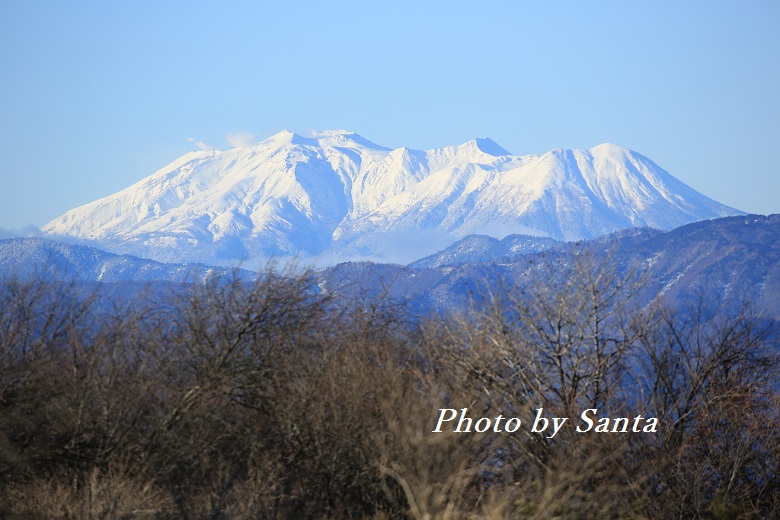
x,y
711,379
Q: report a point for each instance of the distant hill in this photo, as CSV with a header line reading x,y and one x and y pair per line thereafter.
x,y
724,261
31,258
482,248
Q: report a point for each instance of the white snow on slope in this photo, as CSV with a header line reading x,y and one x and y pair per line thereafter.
x,y
337,196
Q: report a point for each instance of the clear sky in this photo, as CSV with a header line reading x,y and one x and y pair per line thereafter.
x,y
96,95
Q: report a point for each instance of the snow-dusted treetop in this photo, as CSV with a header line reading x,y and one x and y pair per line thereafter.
x,y
336,195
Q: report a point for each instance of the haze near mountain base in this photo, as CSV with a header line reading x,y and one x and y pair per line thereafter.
x,y
336,196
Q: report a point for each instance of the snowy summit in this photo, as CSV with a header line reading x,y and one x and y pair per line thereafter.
x,y
337,196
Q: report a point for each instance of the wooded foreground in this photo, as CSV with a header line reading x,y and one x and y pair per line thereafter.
x,y
275,400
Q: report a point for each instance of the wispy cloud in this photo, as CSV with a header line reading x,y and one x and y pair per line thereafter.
x,y
200,144
27,231
241,139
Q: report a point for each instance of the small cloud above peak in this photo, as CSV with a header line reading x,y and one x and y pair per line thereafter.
x,y
200,144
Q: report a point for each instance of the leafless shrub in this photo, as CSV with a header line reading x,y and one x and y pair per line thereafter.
x,y
273,399
109,496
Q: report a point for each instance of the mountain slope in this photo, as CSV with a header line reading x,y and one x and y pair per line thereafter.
x,y
338,196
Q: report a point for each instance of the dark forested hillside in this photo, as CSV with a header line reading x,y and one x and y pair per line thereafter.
x,y
723,262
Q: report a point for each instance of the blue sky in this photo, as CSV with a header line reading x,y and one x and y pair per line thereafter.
x,y
95,96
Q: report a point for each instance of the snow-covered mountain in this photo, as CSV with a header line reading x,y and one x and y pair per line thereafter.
x,y
337,196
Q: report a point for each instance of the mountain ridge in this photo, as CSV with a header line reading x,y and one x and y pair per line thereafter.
x,y
338,196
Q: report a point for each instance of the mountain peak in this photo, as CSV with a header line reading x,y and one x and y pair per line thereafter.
x,y
336,193
321,134
288,138
610,149
489,146
345,139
